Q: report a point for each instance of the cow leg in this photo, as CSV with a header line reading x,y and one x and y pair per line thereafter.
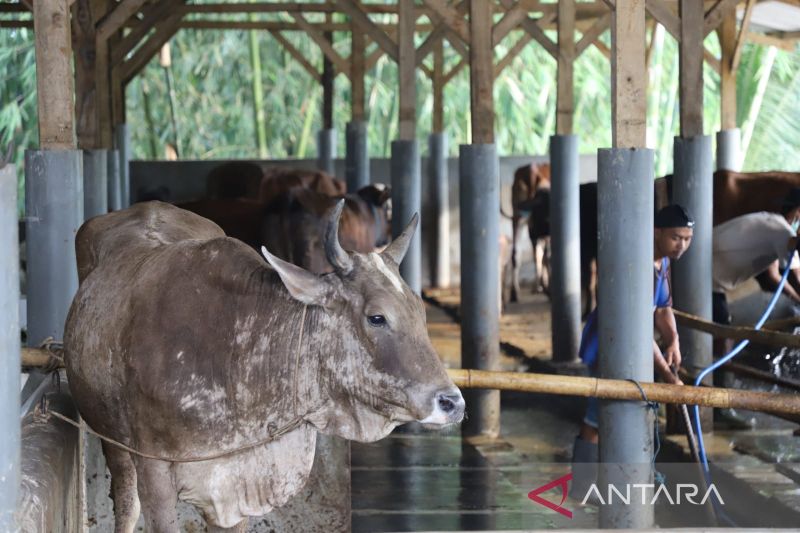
x,y
241,527
515,222
158,495
545,275
538,260
123,488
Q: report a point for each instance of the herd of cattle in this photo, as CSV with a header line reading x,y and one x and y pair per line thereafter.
x,y
735,194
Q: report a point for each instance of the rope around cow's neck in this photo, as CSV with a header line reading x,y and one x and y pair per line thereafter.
x,y
273,434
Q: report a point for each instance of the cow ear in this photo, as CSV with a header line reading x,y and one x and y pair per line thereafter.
x,y
303,285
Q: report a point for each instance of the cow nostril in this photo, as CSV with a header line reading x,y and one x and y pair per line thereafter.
x,y
448,402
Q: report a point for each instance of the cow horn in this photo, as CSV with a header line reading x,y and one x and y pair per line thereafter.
x,y
398,247
336,255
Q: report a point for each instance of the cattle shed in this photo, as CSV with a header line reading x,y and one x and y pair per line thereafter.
x,y
88,51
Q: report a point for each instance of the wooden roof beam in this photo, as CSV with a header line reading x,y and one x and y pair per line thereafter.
x,y
327,48
713,17
297,55
359,17
597,29
164,32
114,20
532,27
451,17
659,10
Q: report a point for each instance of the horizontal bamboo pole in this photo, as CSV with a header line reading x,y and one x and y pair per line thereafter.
x,y
617,389
760,336
610,389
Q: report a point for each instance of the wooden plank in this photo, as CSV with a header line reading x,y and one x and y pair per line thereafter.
x,y
15,7
727,75
164,32
737,52
511,54
481,72
152,16
691,68
715,15
54,82
565,96
769,40
372,58
452,18
83,42
598,28
297,55
113,21
651,29
324,45
357,70
327,80
712,60
17,24
406,71
453,72
118,95
601,46
363,22
511,20
628,75
660,11
266,25
533,28
437,34
437,82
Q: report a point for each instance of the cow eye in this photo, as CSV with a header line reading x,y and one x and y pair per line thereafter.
x,y
377,320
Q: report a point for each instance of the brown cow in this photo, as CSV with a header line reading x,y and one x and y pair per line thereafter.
x,y
740,193
278,180
293,222
528,180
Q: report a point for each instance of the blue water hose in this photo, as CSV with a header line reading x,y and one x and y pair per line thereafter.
x,y
733,353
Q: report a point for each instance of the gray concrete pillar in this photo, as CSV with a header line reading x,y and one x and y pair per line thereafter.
x,y
326,150
693,188
565,235
356,160
729,156
122,140
9,347
439,222
53,214
95,183
479,200
114,181
625,304
407,200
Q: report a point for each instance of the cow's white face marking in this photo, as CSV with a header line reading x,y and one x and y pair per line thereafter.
x,y
386,272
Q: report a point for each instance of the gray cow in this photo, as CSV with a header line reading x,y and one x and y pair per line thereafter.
x,y
183,344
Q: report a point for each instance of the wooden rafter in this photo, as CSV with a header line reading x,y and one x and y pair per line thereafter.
x,y
359,17
512,53
439,32
660,11
511,19
532,27
338,61
153,15
164,32
737,52
297,55
593,33
770,40
454,71
712,60
713,17
450,16
114,20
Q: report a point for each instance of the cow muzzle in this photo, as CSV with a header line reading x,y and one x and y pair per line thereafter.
x,y
448,408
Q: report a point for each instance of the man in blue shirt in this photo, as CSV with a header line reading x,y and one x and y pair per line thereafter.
x,y
672,237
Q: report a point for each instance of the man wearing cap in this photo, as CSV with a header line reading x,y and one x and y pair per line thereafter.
x,y
756,244
672,237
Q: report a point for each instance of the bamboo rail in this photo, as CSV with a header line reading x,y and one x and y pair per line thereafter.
x,y
610,389
617,389
760,336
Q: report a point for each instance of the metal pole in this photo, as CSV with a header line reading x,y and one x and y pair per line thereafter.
x,y
565,285
54,212
326,150
694,190
95,183
729,150
439,243
479,176
625,304
9,347
114,181
123,143
356,156
406,200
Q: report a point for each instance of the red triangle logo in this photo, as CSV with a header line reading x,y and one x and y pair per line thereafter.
x,y
562,482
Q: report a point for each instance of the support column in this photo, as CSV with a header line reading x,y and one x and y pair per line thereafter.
x,y
406,200
122,140
9,347
565,235
439,191
114,187
479,183
693,189
729,138
326,137
356,150
95,183
625,266
326,150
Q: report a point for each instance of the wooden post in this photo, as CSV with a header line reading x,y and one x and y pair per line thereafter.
x,y
117,96
84,16
481,72
406,70
438,87
357,46
691,68
727,38
55,85
629,75
328,76
565,101
102,80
